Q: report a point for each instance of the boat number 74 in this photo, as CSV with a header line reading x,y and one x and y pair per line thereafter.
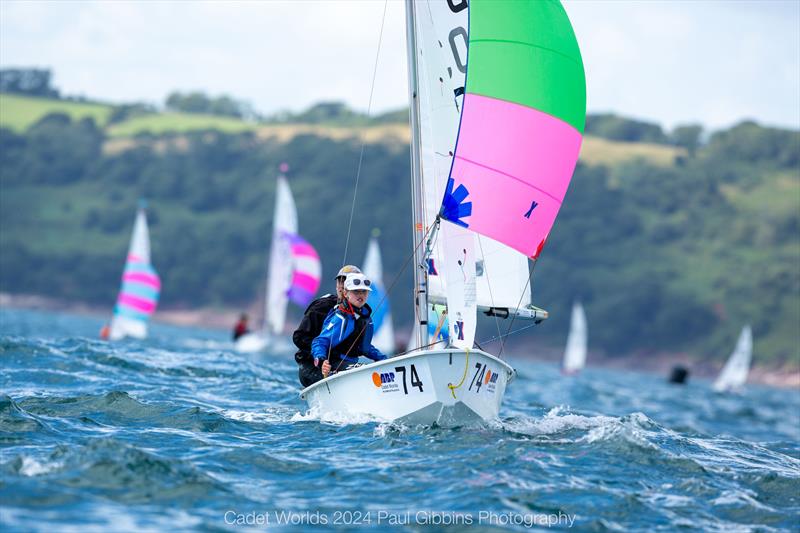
x,y
415,381
477,379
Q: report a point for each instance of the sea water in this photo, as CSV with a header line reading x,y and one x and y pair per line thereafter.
x,y
179,432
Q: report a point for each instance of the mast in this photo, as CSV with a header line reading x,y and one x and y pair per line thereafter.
x,y
420,270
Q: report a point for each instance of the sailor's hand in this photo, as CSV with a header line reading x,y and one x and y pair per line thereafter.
x,y
326,368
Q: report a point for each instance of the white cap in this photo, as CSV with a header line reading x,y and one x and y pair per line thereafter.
x,y
357,282
348,269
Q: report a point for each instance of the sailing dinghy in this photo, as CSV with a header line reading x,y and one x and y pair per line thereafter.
x,y
734,373
138,295
575,352
494,145
294,273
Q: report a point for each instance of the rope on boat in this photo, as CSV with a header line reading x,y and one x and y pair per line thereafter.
x,y
363,138
464,377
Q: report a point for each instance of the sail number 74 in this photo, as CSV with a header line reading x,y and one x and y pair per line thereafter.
x,y
415,381
483,376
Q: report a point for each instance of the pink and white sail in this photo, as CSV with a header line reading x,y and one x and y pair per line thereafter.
x,y
141,286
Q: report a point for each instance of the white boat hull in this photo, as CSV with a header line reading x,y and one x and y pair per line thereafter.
x,y
260,342
251,343
445,386
122,327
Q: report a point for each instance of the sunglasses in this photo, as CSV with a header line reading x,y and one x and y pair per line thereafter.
x,y
357,282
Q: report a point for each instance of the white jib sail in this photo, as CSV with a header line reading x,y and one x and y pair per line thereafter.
x,y
734,373
279,276
575,353
383,337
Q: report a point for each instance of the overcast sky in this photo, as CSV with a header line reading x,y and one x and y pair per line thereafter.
x,y
671,62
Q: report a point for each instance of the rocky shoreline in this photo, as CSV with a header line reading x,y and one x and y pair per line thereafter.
x,y
786,375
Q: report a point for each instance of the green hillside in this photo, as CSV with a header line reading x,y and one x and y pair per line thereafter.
x,y
668,251
18,113
158,124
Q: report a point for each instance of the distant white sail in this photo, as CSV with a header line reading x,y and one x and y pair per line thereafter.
x,y
734,374
294,271
138,295
383,338
575,353
279,277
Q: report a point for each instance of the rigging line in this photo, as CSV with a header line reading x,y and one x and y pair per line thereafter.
x,y
363,138
489,283
486,341
386,295
503,343
509,334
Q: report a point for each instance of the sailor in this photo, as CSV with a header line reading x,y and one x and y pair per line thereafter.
x,y
241,327
311,326
347,332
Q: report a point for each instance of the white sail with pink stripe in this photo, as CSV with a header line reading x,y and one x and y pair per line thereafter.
x,y
141,286
294,271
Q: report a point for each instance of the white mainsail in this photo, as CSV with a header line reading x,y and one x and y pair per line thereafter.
x,y
441,67
279,276
383,337
575,352
734,373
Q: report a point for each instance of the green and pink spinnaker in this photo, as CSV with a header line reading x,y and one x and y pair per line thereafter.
x,y
522,122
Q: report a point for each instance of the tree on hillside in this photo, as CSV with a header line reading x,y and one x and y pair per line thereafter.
x,y
749,142
616,128
30,81
125,112
328,112
57,150
687,136
198,102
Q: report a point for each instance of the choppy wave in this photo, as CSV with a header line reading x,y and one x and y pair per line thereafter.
x,y
173,432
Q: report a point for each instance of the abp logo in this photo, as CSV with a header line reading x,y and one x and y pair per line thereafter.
x,y
380,379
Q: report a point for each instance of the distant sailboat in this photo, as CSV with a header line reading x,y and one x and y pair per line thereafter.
x,y
140,289
575,353
383,338
734,373
294,271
